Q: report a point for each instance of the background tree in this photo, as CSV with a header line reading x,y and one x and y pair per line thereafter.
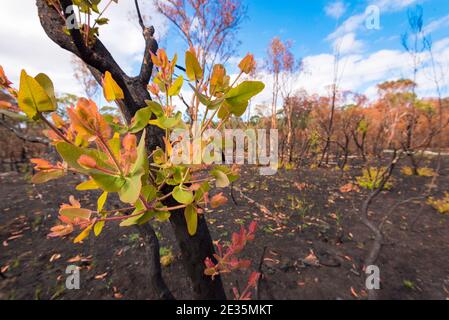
x,y
279,60
84,77
209,28
415,43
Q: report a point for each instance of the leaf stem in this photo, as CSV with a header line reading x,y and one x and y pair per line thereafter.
x,y
110,154
53,128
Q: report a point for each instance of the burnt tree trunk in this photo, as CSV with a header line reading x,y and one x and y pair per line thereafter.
x,y
99,60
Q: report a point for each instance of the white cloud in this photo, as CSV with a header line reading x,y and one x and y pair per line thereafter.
x,y
348,44
393,5
26,46
335,9
362,73
436,24
355,22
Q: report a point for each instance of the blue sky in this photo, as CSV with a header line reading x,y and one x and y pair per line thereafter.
x,y
368,56
306,23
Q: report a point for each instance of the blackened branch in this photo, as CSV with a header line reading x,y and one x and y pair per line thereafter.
x,y
150,46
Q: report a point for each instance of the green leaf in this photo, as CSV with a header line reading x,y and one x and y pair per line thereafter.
x,y
159,156
161,216
111,89
33,98
108,183
211,105
14,115
140,120
71,153
43,177
237,98
227,170
149,192
47,85
73,213
178,175
193,68
222,180
98,227
167,123
87,185
130,191
141,163
201,191
101,201
182,196
224,111
131,221
102,21
176,86
155,107
191,216
114,144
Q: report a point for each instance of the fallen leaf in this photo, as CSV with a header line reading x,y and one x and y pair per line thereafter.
x,y
101,276
55,257
350,187
311,259
354,293
15,237
300,186
79,258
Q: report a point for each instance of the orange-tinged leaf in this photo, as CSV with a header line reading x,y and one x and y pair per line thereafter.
x,y
4,82
350,187
217,77
129,142
218,200
41,164
74,210
57,120
248,64
87,162
155,60
60,230
87,121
